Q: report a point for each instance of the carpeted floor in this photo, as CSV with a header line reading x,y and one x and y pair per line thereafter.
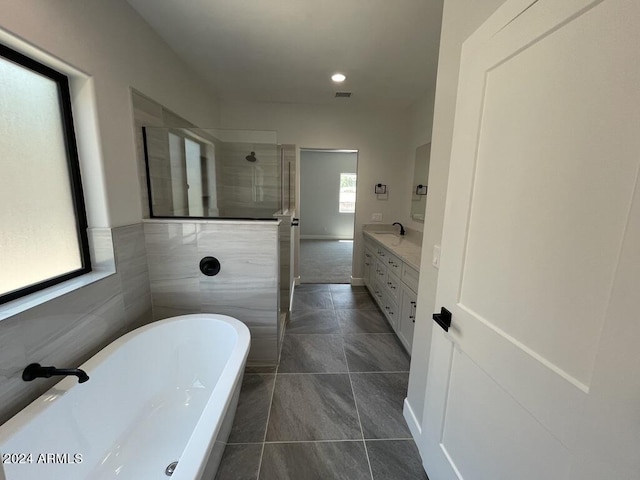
x,y
325,261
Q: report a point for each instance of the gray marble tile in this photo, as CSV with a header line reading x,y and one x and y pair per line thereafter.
x,y
170,238
176,293
240,462
380,397
361,300
131,262
250,297
159,313
347,287
173,267
312,354
375,352
138,312
313,407
250,422
325,261
363,321
312,287
254,368
315,461
312,300
313,321
395,460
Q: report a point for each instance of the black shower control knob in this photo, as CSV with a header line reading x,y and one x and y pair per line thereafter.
x,y
210,266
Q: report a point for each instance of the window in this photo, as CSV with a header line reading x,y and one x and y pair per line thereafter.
x,y
347,193
43,238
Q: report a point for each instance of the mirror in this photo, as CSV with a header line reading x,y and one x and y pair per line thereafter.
x,y
420,179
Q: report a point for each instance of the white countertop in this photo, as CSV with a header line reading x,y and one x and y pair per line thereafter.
x,y
404,247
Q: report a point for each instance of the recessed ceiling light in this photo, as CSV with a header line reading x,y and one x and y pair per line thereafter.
x,y
338,77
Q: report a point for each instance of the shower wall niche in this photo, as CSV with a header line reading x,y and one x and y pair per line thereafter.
x,y
212,173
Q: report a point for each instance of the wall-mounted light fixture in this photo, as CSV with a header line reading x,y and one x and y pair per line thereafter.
x,y
421,190
380,189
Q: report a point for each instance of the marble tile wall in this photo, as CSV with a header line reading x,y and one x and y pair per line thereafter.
x,y
248,190
68,330
246,288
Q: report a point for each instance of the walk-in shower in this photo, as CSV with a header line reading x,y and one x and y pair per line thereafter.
x,y
206,173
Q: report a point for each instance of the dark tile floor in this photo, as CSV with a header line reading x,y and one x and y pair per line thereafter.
x,y
333,407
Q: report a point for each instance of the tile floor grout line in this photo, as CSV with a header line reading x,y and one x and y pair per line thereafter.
x,y
344,440
355,403
337,373
266,429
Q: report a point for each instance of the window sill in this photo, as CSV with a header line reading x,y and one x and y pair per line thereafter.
x,y
16,307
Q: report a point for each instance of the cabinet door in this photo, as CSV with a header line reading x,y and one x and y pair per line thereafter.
x,y
369,266
390,310
407,318
393,286
380,273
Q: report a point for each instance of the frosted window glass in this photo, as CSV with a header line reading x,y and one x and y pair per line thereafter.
x,y
38,239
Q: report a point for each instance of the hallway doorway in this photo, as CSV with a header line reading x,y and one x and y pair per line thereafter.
x,y
327,214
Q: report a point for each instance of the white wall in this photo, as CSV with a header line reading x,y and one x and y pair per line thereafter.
x,y
320,194
381,137
460,19
110,43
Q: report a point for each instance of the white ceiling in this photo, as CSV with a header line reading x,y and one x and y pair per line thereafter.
x,y
286,50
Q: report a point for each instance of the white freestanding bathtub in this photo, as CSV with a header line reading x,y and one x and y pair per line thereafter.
x,y
163,393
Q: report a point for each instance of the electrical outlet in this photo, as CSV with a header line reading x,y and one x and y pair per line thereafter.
x,y
376,217
436,256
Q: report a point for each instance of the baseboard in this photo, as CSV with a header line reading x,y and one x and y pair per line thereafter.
x,y
412,421
325,237
356,282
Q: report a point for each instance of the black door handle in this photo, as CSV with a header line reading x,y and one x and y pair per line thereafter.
x,y
295,222
443,318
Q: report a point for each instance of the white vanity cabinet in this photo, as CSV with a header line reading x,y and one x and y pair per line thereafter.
x,y
393,283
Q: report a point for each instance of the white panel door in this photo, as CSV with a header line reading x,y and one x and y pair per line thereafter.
x,y
539,374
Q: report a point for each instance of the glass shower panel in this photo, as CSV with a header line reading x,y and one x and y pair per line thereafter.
x,y
212,173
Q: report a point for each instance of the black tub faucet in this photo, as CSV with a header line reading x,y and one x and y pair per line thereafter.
x,y
401,227
35,370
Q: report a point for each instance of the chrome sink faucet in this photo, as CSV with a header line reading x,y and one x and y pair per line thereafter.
x,y
401,228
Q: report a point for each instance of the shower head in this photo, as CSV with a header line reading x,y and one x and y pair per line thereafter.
x,y
251,157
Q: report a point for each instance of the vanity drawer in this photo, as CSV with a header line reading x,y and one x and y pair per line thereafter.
x,y
376,291
394,264
381,253
390,309
410,277
380,272
393,286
